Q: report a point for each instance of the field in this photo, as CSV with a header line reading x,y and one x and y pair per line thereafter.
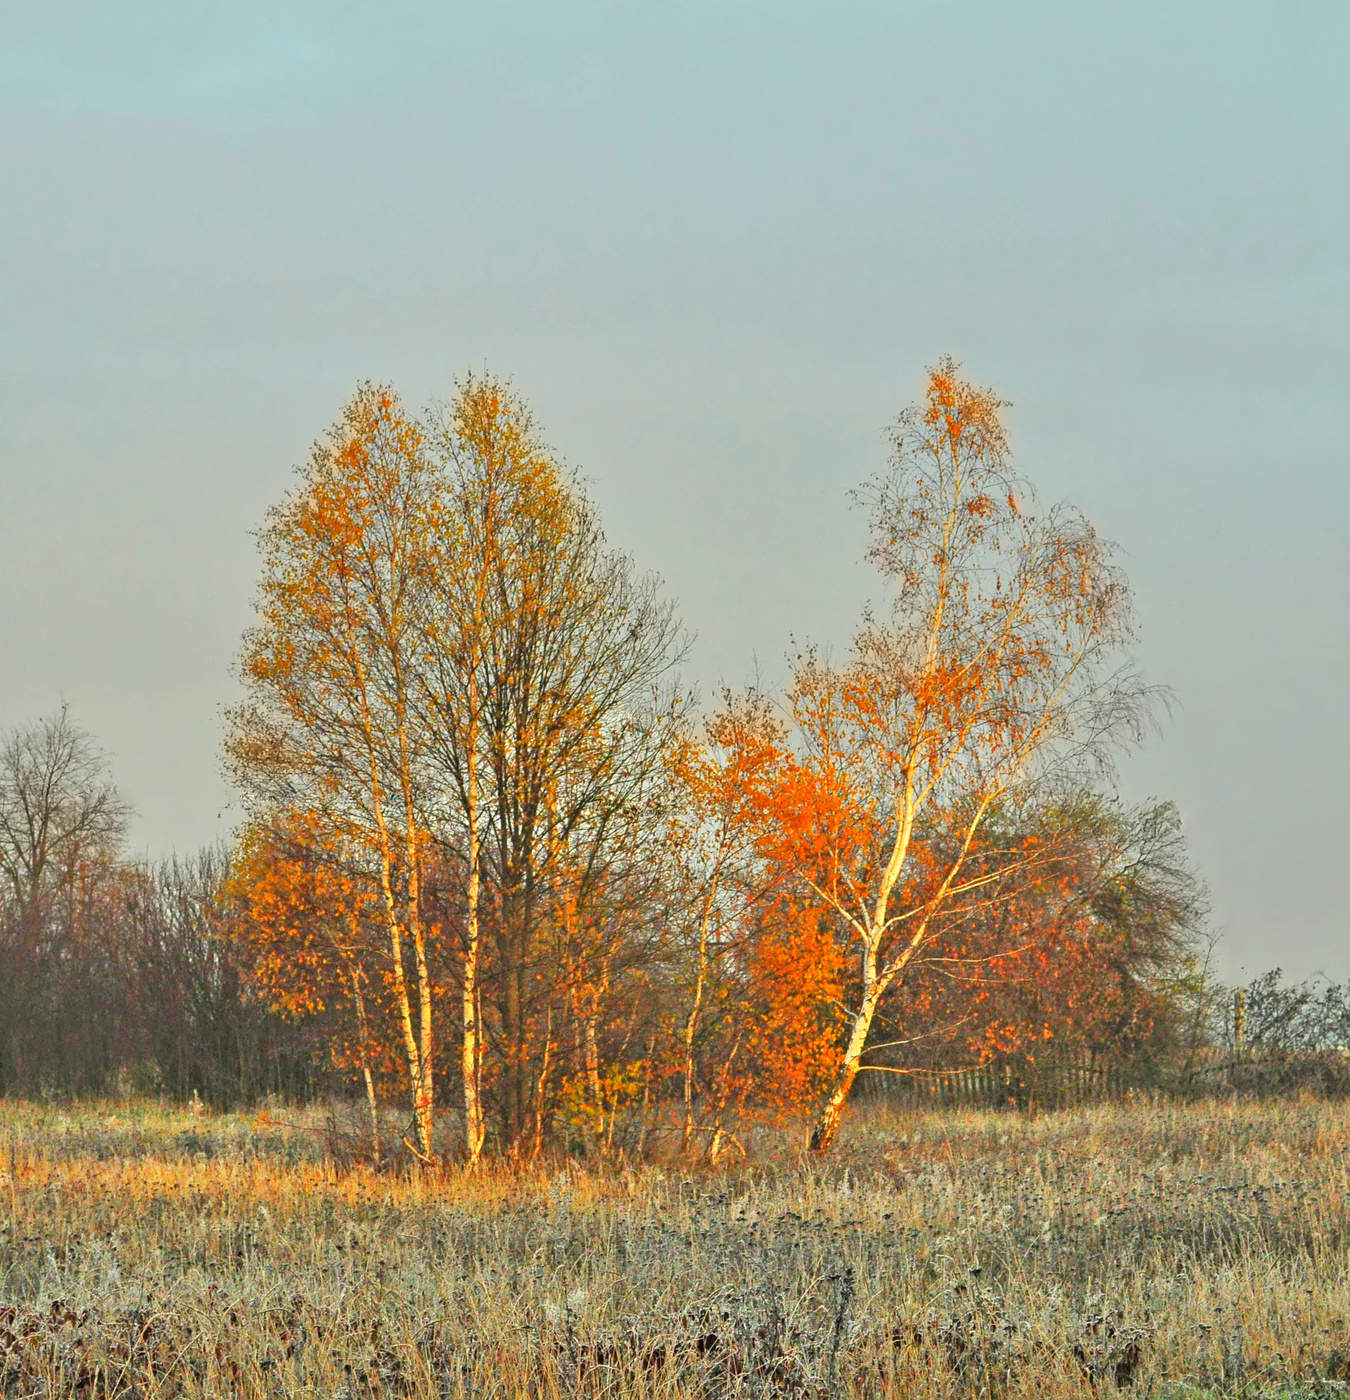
x,y
1157,1250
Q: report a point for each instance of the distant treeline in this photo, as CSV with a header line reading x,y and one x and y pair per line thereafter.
x,y
114,974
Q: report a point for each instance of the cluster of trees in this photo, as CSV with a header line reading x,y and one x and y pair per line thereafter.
x,y
499,860
114,974
498,869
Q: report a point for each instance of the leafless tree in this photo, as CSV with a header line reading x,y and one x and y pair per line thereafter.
x,y
62,823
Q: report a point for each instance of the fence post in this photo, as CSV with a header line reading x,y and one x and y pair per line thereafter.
x,y
1239,1022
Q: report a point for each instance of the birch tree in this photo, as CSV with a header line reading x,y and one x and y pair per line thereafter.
x,y
546,721
492,467
332,672
996,665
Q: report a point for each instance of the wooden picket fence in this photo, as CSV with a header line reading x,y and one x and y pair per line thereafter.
x,y
1066,1081
1061,1083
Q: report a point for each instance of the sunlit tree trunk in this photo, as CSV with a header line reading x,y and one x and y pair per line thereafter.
x,y
471,1057
416,1028
367,1076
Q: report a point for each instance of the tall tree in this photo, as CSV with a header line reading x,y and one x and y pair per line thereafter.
x,y
330,727
547,714
493,468
996,665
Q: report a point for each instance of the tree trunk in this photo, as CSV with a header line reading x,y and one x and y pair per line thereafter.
x,y
424,1105
540,1094
418,1054
372,1104
827,1125
592,1054
363,1029
513,1035
691,1025
475,1130
471,1052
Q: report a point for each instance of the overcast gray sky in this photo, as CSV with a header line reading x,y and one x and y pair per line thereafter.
x,y
715,245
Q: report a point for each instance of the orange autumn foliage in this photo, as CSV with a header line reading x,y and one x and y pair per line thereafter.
x,y
1086,951
306,926
795,976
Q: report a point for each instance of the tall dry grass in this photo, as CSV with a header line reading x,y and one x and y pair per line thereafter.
x,y
1162,1250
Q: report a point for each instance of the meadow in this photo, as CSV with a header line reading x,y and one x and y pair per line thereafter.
x,y
1155,1249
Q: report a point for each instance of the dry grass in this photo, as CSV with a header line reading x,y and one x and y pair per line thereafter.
x,y
1165,1251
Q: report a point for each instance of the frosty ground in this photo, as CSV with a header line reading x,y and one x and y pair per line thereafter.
x,y
1150,1248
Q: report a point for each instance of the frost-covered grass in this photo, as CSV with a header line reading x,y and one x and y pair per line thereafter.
x,y
1171,1251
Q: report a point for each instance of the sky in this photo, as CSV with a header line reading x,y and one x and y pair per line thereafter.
x,y
714,245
